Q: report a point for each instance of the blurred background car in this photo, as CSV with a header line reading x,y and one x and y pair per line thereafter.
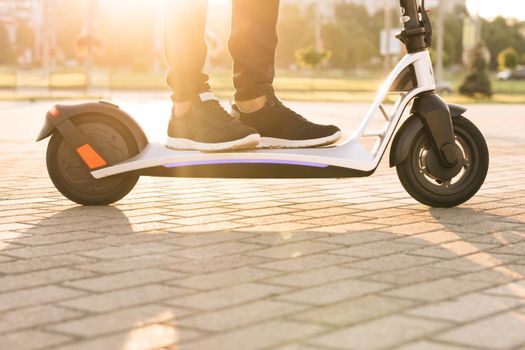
x,y
444,87
516,74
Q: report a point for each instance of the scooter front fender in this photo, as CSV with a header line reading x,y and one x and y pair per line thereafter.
x,y
403,139
59,113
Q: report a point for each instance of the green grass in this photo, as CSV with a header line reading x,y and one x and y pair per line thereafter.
x,y
321,86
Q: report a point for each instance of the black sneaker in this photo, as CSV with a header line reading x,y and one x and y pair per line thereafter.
x,y
208,127
281,127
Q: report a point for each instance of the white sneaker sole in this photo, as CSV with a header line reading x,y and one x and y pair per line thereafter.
x,y
249,141
271,142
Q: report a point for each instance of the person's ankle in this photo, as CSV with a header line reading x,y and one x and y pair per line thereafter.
x,y
181,108
253,105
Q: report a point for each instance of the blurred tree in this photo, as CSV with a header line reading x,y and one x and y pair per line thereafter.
x,y
69,27
508,58
6,54
477,80
310,57
446,57
25,37
292,34
353,36
500,34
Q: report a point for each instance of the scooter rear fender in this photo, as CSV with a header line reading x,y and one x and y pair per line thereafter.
x,y
401,144
59,113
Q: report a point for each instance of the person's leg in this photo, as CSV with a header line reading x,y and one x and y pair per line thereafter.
x,y
185,48
252,45
198,120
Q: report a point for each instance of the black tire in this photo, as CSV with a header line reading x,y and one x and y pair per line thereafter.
x,y
445,193
113,141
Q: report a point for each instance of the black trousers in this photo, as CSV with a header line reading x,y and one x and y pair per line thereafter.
x,y
252,45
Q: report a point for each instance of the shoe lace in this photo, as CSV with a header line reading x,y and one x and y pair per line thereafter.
x,y
278,104
213,111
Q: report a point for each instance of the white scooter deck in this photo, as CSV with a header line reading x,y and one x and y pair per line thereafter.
x,y
350,155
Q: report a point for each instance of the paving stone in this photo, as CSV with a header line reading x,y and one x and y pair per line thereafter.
x,y
356,238
503,331
467,308
316,277
255,337
414,228
293,250
280,227
216,264
452,249
33,279
427,345
412,275
499,274
41,263
124,280
146,338
441,236
302,263
350,227
128,251
375,249
209,227
284,237
38,240
329,211
438,290
477,261
333,220
115,321
333,292
31,339
55,249
124,298
515,249
391,262
499,238
239,316
196,240
382,333
514,289
131,263
353,311
223,278
221,249
35,296
299,347
490,226
229,296
34,316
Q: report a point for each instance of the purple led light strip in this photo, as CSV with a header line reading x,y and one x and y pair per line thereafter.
x,y
245,161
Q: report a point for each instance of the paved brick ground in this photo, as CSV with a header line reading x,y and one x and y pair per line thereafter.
x,y
222,264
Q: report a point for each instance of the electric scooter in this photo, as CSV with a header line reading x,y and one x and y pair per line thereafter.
x,y
97,152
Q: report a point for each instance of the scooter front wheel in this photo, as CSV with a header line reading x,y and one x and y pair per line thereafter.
x,y
113,141
418,172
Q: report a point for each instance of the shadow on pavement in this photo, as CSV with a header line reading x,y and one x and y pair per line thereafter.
x,y
90,281
112,287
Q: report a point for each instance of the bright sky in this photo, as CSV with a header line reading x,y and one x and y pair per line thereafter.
x,y
493,8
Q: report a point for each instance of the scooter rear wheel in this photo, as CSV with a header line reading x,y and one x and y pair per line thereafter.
x,y
420,181
113,141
